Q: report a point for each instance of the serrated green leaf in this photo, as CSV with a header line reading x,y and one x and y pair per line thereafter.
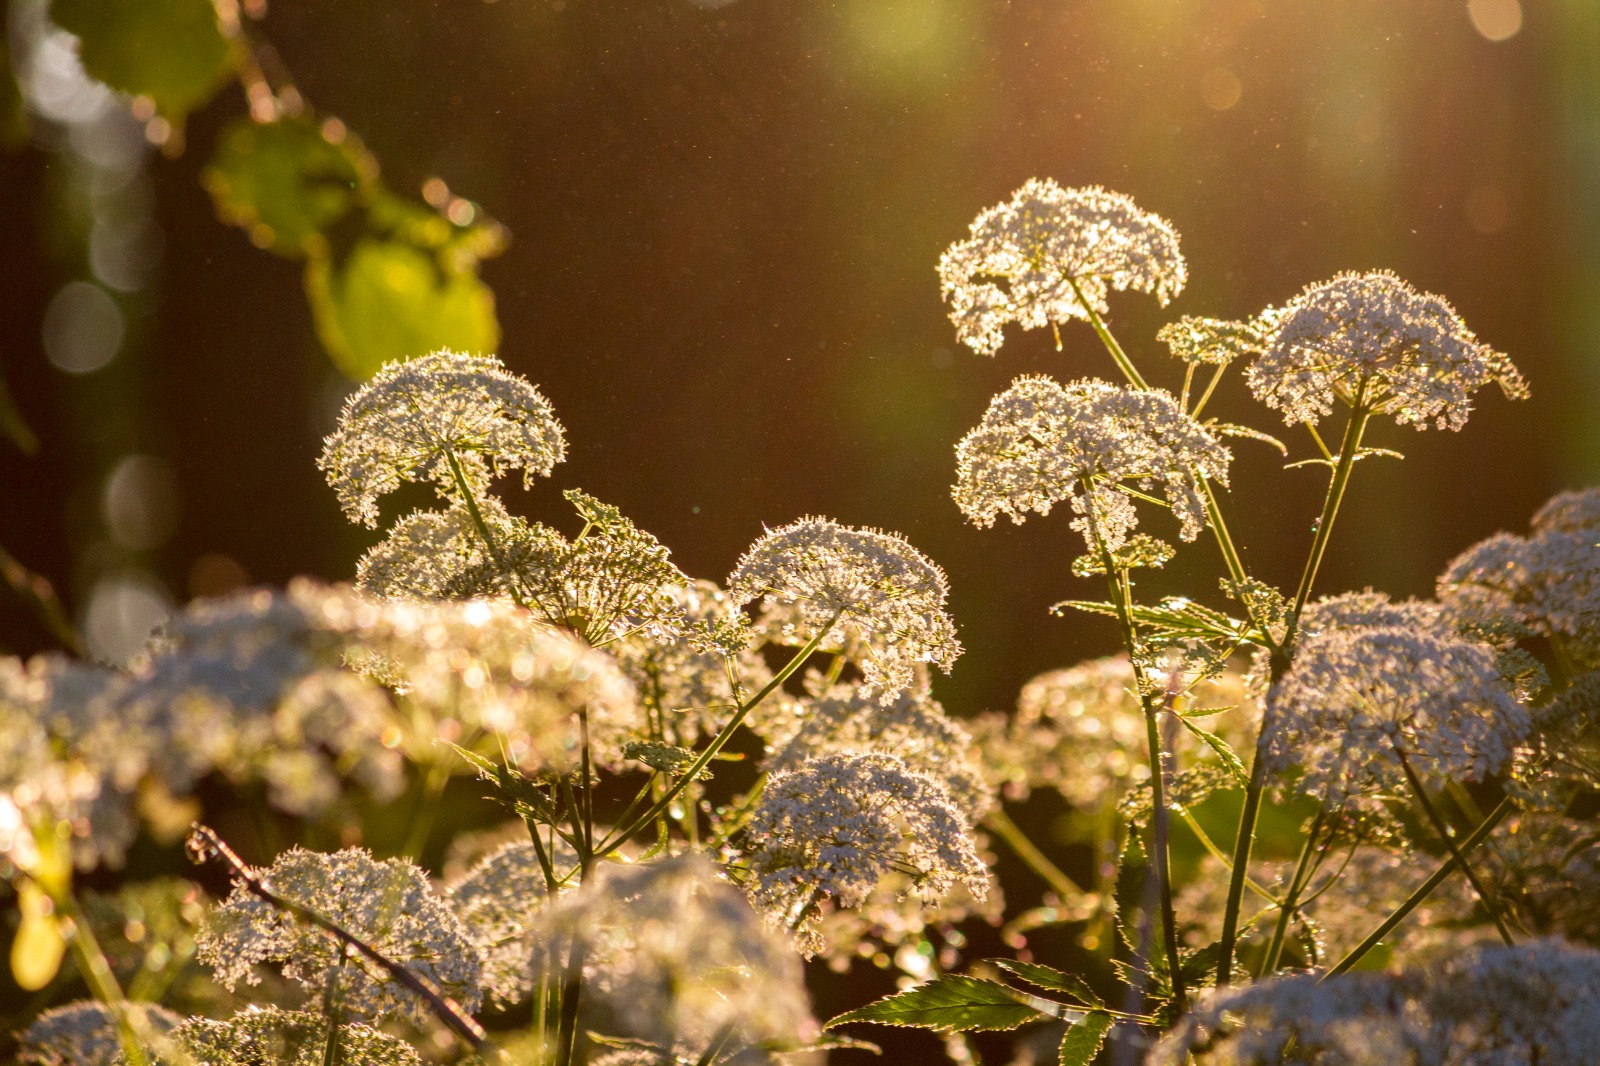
x,y
172,51
1086,606
1224,752
285,182
664,757
1083,1038
1228,429
949,1004
511,788
388,301
1053,979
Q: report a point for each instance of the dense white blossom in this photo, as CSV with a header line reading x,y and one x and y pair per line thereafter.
x,y
1023,256
259,1036
1089,442
1403,352
675,956
500,901
1533,1005
1217,341
1355,700
912,726
864,582
413,418
429,554
1547,581
837,824
387,904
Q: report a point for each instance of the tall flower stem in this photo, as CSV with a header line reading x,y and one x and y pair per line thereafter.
x,y
1244,841
1291,898
1124,364
1443,830
718,742
489,541
1424,890
97,974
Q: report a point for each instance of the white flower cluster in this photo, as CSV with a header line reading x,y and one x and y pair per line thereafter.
x,y
1041,242
432,554
1216,341
912,726
1548,581
857,582
427,418
836,825
1486,1006
85,1033
500,901
677,958
389,905
257,1036
1042,442
1403,352
1357,700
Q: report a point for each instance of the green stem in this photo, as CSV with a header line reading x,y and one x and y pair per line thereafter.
x,y
1424,890
1291,898
1000,823
432,787
1450,843
97,974
1349,448
1124,364
1221,856
621,836
489,541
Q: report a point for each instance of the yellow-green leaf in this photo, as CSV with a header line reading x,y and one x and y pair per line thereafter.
x,y
1083,1039
39,946
948,1004
388,301
172,51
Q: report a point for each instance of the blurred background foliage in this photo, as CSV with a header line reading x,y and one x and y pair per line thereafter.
x,y
708,231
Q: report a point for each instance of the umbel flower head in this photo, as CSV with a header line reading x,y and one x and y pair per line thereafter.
x,y
259,1035
431,418
860,582
1042,442
1547,582
1356,701
837,824
1372,336
1038,245
85,1033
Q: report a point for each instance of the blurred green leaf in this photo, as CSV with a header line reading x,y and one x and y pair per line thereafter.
x,y
13,425
389,300
285,182
13,113
172,51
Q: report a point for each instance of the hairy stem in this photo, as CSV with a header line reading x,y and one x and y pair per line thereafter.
x,y
1424,890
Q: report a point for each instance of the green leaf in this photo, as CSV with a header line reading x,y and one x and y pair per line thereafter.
x,y
947,1004
511,788
1224,752
172,51
390,301
1083,1038
1228,429
1055,980
663,757
285,182
1086,606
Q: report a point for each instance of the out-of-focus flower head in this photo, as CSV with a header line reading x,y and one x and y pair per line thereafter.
x,y
86,1033
1402,352
1089,442
426,418
836,825
861,582
387,904
1023,257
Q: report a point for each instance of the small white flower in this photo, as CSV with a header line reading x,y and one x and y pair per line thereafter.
x,y
413,418
1403,352
1038,244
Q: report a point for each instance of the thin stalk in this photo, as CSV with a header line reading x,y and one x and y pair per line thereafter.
x,y
1450,843
1349,447
1124,364
97,974
1424,890
718,742
1291,899
1221,856
1000,823
489,541
571,993
427,809
1211,386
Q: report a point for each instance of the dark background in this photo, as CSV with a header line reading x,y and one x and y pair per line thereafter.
x,y
725,222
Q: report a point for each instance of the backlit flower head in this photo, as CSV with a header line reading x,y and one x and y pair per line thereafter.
x,y
500,901
1547,581
1355,700
1023,256
85,1033
414,417
863,582
1218,341
260,1035
1042,442
836,825
1403,352
430,554
677,957
388,904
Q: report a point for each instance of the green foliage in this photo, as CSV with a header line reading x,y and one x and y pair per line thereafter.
x,y
1083,1038
948,1004
1053,979
285,182
172,51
